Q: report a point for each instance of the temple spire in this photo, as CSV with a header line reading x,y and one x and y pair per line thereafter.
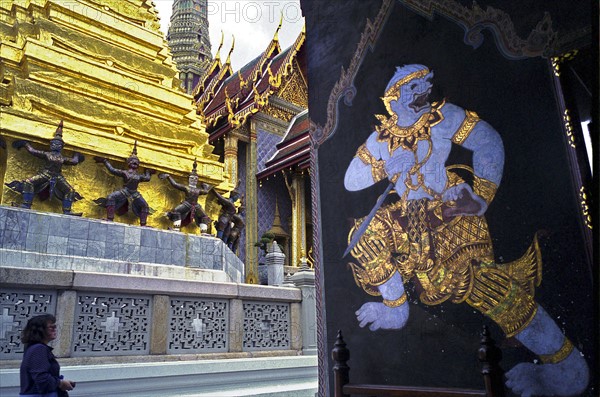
x,y
276,228
189,40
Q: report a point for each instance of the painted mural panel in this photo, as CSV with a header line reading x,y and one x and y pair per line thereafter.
x,y
459,203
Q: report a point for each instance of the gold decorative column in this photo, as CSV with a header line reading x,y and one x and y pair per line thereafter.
x,y
231,157
298,219
251,209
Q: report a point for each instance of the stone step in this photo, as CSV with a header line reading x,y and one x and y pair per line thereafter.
x,y
265,376
36,260
298,389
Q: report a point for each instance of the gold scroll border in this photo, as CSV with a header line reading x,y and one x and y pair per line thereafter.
x,y
344,87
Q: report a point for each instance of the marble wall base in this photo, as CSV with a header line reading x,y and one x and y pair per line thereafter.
x,y
34,239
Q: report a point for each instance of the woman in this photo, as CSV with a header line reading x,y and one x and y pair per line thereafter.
x,y
39,368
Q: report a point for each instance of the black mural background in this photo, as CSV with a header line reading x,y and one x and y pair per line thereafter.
x,y
438,345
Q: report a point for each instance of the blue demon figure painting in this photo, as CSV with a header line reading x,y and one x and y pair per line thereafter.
x,y
436,233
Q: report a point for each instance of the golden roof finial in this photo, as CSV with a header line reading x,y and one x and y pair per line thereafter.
x,y
218,56
228,61
276,37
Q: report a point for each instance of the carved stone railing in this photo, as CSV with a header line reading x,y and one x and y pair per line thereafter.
x,y
131,335
103,315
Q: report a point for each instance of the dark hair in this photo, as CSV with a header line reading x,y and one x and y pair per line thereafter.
x,y
35,330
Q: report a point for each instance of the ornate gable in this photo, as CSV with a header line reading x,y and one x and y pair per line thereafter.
x,y
295,89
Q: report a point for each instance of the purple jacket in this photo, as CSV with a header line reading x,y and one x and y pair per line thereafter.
x,y
39,370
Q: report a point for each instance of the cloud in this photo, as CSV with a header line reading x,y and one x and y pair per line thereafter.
x,y
253,23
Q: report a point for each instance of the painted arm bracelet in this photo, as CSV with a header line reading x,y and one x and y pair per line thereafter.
x,y
377,166
484,189
562,353
397,302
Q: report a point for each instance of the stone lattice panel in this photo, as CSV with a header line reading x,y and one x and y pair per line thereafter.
x,y
266,326
16,307
112,325
198,326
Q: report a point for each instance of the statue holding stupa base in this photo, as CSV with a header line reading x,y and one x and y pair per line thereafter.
x,y
230,223
118,201
49,181
189,210
236,230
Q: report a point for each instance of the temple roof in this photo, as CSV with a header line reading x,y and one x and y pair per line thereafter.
x,y
225,99
293,150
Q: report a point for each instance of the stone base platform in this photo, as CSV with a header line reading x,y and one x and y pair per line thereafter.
x,y
31,239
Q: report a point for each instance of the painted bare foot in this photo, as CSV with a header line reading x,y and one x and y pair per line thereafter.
x,y
567,378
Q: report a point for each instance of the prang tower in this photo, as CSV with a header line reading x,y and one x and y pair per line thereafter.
x,y
189,40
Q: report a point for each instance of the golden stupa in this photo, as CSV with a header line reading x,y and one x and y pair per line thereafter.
x,y
104,69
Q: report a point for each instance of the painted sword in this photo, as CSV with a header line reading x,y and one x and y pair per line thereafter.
x,y
363,226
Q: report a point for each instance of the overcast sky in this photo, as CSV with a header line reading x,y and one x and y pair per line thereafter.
x,y
253,23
